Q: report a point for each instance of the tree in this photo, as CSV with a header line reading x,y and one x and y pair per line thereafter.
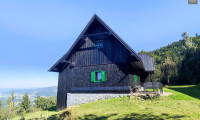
x,y
190,68
188,42
40,102
10,105
157,74
10,109
184,35
1,116
45,103
0,104
168,69
25,104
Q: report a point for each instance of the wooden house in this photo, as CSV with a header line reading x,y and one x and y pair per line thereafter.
x,y
98,62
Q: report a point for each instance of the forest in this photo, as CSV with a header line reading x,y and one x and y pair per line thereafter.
x,y
177,63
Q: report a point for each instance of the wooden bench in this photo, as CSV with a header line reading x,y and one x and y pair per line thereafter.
x,y
153,85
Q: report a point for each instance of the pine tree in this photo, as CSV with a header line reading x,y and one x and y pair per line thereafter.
x,y
1,113
0,104
10,106
25,104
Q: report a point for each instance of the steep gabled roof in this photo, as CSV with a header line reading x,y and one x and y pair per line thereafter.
x,y
95,17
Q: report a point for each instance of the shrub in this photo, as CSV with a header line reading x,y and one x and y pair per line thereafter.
x,y
45,102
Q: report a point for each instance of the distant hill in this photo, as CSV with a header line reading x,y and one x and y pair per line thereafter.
x,y
178,62
32,92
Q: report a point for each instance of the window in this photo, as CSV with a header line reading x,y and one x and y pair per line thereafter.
x,y
98,43
98,76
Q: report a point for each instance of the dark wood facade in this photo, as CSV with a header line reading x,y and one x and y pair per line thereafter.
x,y
114,57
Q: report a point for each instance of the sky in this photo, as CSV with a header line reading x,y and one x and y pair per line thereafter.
x,y
34,34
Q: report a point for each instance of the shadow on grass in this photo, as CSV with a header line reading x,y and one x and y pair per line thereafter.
x,y
132,116
95,117
53,108
150,116
192,91
62,116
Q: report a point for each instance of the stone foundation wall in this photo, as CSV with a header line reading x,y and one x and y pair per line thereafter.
x,y
81,98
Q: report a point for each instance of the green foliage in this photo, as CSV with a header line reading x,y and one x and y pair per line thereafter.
x,y
178,62
1,109
37,113
157,74
45,103
190,68
10,109
168,69
0,104
25,104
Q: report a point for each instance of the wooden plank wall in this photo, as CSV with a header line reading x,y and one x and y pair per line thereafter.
x,y
116,75
112,52
112,58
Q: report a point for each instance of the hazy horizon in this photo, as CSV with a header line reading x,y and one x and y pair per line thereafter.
x,y
30,87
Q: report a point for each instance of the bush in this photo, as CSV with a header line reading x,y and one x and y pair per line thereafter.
x,y
45,102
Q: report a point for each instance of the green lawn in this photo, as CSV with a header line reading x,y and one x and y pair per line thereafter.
x,y
39,114
183,104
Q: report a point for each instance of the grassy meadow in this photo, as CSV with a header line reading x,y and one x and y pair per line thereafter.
x,y
184,104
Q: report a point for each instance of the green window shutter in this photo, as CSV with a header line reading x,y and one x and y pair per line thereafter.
x,y
93,76
135,78
103,76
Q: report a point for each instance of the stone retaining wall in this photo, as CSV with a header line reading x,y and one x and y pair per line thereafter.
x,y
78,98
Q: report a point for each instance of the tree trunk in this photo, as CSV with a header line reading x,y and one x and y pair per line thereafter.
x,y
168,80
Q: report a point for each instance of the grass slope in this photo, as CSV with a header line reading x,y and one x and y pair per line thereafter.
x,y
39,114
184,104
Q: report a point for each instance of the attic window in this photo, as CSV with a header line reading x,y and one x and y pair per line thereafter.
x,y
98,76
98,43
